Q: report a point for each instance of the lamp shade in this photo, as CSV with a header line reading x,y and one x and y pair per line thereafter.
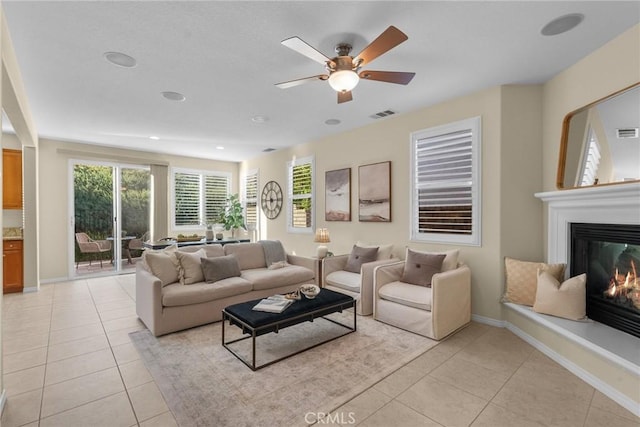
x,y
322,235
343,80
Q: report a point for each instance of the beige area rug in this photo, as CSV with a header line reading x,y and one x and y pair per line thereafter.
x,y
205,385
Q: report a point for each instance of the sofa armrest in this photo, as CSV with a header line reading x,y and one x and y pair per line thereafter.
x,y
366,282
387,273
312,264
450,300
333,263
148,298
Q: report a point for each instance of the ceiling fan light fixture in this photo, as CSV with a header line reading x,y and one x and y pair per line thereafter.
x,y
343,80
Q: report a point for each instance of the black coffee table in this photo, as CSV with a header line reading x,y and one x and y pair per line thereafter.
x,y
256,323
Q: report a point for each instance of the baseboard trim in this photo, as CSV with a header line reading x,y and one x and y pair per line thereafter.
x,y
585,376
54,280
29,289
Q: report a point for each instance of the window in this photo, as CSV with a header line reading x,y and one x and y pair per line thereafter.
x,y
198,196
589,175
300,211
251,198
445,179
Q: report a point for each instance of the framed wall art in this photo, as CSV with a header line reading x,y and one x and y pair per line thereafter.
x,y
337,195
374,192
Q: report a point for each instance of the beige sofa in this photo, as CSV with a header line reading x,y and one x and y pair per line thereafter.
x,y
170,307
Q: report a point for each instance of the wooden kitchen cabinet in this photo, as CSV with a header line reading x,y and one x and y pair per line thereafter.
x,y
11,179
12,280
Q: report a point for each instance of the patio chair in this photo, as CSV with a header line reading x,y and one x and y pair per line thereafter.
x,y
137,244
89,246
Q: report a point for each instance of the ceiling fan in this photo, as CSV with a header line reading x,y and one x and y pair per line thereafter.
x,y
344,70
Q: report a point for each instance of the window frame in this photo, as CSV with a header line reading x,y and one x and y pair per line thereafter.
x,y
474,124
202,200
290,197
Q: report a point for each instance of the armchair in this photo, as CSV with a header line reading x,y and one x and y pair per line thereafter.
x,y
357,285
434,312
89,246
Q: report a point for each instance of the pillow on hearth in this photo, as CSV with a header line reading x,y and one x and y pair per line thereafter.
x,y
566,299
163,264
220,268
359,256
419,268
189,269
522,278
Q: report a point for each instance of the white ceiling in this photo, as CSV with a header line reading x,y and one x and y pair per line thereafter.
x,y
225,57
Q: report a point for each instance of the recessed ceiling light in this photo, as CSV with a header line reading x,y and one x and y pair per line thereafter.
x,y
120,59
332,122
173,96
155,138
562,24
219,147
259,119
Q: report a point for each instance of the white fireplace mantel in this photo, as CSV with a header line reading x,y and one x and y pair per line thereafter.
x,y
605,204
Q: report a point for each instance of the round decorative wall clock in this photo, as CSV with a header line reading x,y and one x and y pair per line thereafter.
x,y
271,199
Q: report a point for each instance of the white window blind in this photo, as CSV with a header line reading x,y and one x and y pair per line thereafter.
x,y
300,190
445,179
198,197
251,197
591,161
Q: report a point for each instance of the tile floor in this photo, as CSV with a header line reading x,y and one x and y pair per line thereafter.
x,y
68,361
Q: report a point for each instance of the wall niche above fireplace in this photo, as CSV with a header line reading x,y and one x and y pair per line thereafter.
x,y
610,255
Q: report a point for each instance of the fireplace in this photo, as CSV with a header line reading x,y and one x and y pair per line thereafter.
x,y
610,255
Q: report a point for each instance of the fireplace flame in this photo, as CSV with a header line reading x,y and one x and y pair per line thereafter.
x,y
625,287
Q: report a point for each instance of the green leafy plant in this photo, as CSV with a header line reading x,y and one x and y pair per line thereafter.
x,y
233,216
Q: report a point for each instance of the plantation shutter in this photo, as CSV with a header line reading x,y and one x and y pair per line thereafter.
x,y
187,199
216,188
251,197
592,161
444,178
300,195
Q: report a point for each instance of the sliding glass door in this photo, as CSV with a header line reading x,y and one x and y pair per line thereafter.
x,y
109,217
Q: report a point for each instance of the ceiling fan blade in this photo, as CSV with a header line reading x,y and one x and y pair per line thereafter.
x,y
303,48
297,82
390,38
387,76
344,97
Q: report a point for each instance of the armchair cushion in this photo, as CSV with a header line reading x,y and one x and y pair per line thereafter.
x,y
406,294
384,251
420,267
344,280
450,260
359,256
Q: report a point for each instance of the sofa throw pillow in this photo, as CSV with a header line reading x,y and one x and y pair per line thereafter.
x,y
163,265
384,251
522,278
419,268
277,265
219,268
273,251
189,270
359,256
566,299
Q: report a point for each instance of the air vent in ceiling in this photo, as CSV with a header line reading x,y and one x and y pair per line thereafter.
x,y
627,133
382,114
268,150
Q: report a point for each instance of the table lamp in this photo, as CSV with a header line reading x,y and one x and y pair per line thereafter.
x,y
322,236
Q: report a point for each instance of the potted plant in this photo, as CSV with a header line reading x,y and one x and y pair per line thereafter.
x,y
232,217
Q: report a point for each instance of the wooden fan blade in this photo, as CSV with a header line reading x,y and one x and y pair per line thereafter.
x,y
390,38
387,76
303,48
344,97
292,83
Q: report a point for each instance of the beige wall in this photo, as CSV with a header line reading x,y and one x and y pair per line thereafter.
x,y
389,139
614,66
55,215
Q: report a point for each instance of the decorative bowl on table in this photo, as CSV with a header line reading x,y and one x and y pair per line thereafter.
x,y
310,291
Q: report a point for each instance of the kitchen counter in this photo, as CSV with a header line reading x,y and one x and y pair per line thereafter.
x,y
12,233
